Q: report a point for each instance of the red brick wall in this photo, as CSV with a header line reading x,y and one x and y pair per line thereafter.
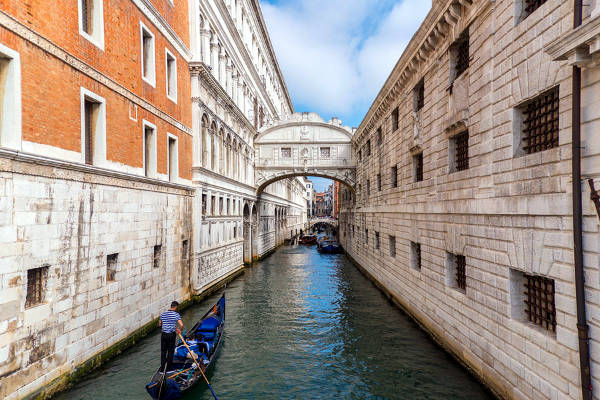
x,y
51,89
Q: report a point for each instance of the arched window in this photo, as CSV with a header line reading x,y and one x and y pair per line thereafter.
x,y
205,141
214,147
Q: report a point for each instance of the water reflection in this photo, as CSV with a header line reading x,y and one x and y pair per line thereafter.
x,y
301,325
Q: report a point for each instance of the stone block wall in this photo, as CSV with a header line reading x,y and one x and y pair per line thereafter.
x,y
508,214
70,221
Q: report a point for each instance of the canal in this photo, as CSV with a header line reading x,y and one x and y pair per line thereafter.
x,y
301,325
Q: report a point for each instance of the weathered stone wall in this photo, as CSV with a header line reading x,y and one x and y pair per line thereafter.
x,y
507,213
70,221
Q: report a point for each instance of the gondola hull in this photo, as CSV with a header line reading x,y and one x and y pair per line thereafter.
x,y
204,340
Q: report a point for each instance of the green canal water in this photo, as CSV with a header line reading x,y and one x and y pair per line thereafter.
x,y
301,325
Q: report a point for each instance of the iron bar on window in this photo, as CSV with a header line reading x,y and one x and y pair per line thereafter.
x,y
462,151
540,122
539,301
419,167
461,275
462,54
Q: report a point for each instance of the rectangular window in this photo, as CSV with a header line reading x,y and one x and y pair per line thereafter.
x,y
148,58
395,120
376,240
173,159
171,72
10,98
90,113
379,182
220,206
368,187
368,148
527,7
235,232
149,149
533,300
394,176
91,21
111,266
392,246
537,123
157,256
459,152
366,237
325,152
360,155
185,250
418,167
228,207
213,205
456,274
93,128
415,255
36,286
419,96
380,135
459,53
286,152
204,200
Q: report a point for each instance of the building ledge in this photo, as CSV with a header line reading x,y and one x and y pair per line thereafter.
x,y
580,47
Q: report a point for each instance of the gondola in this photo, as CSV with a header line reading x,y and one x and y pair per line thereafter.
x,y
204,340
329,246
308,239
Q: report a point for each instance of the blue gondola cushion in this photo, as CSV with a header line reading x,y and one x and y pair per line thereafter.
x,y
209,324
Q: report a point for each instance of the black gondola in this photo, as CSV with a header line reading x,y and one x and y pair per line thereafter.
x,y
204,340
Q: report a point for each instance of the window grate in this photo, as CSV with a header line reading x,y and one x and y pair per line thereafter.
x,y
36,285
462,54
376,240
462,151
419,167
539,301
540,122
395,122
394,176
461,275
156,256
532,5
379,182
420,95
417,247
368,148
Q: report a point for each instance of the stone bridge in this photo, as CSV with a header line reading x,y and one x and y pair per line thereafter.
x,y
304,145
329,221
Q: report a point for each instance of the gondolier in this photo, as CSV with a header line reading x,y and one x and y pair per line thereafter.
x,y
171,325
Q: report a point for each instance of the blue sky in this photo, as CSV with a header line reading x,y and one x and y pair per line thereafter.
x,y
336,54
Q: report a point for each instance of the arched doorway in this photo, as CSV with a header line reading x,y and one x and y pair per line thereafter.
x,y
247,236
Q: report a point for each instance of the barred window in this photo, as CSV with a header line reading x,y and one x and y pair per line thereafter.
x,y
460,54
395,121
111,266
366,237
156,256
419,95
459,148
539,301
539,129
286,152
360,155
325,152
368,187
529,6
36,286
185,249
379,136
376,240
415,249
368,148
392,246
379,182
418,167
394,176
461,275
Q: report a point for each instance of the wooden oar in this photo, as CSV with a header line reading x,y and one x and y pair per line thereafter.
x,y
162,382
198,365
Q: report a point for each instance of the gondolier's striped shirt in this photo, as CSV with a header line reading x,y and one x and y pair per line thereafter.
x,y
169,320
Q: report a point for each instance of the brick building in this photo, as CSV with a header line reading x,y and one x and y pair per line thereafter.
x,y
466,214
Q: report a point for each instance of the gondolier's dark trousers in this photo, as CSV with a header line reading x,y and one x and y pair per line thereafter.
x,y
167,349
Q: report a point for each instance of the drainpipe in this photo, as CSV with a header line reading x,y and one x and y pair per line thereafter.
x,y
582,326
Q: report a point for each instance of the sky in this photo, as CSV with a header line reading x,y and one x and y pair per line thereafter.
x,y
336,54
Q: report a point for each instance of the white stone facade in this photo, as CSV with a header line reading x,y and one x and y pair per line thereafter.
x,y
508,214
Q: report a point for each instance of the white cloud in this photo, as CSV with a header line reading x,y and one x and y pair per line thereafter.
x,y
336,54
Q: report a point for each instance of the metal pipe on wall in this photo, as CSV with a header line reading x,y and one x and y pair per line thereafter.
x,y
582,326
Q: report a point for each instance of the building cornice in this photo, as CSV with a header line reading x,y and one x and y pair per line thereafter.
x,y
13,25
579,45
202,70
436,27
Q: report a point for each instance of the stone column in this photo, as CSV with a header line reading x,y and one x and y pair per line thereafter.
x,y
196,117
205,45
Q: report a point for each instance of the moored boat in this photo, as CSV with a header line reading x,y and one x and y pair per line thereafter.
x,y
329,246
203,340
308,239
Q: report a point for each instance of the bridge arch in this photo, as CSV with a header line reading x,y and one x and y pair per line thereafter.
x,y
304,145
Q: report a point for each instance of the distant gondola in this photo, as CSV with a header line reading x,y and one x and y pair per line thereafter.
x,y
329,246
308,239
204,339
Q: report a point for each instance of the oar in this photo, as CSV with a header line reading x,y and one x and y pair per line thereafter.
x,y
198,364
162,382
170,377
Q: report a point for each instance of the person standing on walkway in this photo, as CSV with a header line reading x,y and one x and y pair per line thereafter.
x,y
171,325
